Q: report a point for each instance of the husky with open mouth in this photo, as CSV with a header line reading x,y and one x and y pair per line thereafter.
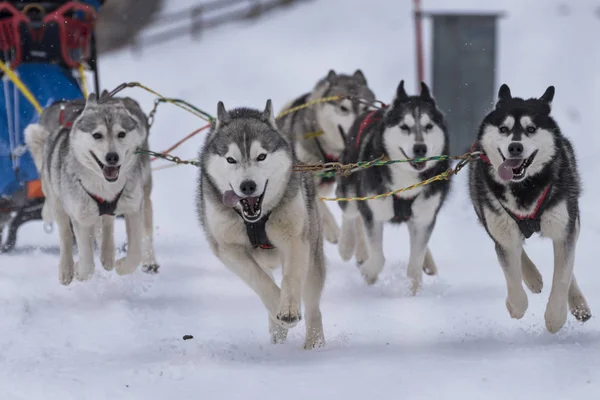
x,y
257,214
85,151
412,127
322,128
527,182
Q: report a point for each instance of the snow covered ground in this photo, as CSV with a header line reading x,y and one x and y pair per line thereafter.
x,y
121,338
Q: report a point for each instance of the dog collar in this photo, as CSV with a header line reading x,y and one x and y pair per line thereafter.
x,y
105,207
257,232
530,224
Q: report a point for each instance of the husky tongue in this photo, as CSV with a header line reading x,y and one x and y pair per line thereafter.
x,y
251,202
230,199
505,170
111,173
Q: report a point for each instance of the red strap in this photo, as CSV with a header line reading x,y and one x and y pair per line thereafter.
x,y
482,157
61,119
367,121
537,206
266,246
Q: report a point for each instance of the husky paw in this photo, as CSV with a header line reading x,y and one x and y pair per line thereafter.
x,y
65,272
371,268
579,308
150,268
83,271
107,256
278,333
331,232
517,305
126,266
555,316
533,280
289,314
314,340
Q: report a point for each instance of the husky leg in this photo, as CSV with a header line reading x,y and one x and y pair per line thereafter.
x,y
331,231
531,275
84,234
577,303
347,236
564,260
149,263
107,246
277,332
314,281
420,232
510,260
65,265
238,261
297,256
362,248
133,226
429,266
371,268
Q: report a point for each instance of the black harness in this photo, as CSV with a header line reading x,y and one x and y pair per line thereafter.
x,y
402,208
105,207
257,232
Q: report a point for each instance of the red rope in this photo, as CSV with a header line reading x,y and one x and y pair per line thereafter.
x,y
176,145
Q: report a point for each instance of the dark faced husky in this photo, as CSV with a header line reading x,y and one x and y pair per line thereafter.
x,y
333,120
258,214
85,152
527,182
411,127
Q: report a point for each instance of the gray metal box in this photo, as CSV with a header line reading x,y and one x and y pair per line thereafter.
x,y
464,67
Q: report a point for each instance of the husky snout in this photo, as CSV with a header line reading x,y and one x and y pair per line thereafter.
x,y
248,187
515,149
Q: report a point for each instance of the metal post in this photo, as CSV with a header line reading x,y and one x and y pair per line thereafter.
x,y
419,41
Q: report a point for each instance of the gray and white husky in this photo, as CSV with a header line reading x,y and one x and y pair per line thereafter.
x,y
85,152
334,120
411,127
527,182
258,214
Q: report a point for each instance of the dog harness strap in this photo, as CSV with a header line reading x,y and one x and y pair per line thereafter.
x,y
530,224
257,232
483,157
402,208
105,207
365,122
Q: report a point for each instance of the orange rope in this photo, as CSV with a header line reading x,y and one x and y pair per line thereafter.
x,y
183,140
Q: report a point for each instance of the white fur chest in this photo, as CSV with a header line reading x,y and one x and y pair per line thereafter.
x,y
401,178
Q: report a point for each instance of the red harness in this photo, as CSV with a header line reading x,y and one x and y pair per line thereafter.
x,y
483,157
540,201
369,119
61,120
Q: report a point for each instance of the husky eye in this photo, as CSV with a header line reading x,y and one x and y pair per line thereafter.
x,y
97,135
344,109
428,127
261,157
121,135
531,129
231,160
503,129
404,127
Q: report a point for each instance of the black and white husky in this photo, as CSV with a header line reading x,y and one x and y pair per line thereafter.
x,y
527,182
411,127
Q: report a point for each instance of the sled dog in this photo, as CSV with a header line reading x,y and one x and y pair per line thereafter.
x,y
85,152
257,214
320,130
527,182
412,127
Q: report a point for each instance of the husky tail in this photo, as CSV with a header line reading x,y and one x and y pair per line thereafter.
x,y
35,138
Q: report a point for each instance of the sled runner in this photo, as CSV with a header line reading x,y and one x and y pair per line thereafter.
x,y
45,49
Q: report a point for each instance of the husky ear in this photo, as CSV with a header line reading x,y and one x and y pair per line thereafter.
x,y
104,94
548,96
268,113
360,77
92,97
425,94
503,94
400,92
223,116
332,76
